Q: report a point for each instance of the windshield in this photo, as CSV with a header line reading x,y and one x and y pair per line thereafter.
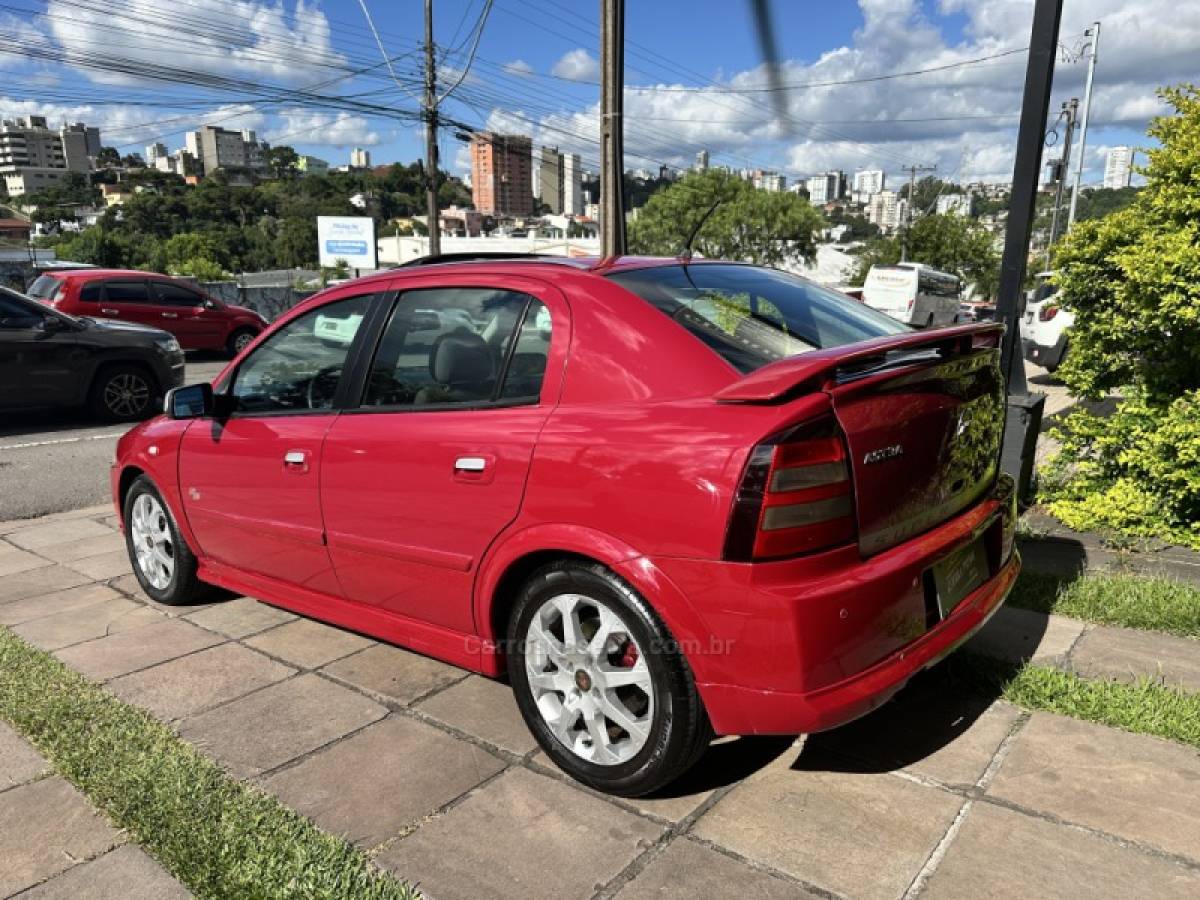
x,y
752,316
44,287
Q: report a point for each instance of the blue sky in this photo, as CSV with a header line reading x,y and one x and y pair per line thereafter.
x,y
692,68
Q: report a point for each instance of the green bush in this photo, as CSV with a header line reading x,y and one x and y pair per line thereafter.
x,y
1133,281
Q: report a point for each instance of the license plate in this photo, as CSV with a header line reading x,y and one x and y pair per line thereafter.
x,y
958,574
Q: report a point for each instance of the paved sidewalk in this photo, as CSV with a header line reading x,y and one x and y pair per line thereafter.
x,y
429,769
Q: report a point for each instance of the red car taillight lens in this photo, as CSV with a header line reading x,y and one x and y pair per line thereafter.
x,y
795,496
1046,313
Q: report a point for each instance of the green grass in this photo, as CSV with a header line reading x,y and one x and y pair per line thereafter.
x,y
219,836
1144,707
1131,601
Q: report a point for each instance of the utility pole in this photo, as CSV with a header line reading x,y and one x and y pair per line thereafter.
x,y
1070,111
1093,34
431,142
1024,413
908,213
612,127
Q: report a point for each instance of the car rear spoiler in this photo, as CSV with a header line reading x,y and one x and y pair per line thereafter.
x,y
776,380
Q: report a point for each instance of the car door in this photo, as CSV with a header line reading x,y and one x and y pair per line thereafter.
x,y
128,300
40,364
249,477
187,314
420,477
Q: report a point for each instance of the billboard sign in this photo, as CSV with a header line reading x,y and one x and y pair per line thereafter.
x,y
348,238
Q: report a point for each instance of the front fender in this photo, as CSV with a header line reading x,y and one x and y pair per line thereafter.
x,y
153,448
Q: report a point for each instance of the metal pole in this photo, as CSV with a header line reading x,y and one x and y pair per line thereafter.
x,y
431,145
1071,109
612,127
908,212
1094,32
1023,417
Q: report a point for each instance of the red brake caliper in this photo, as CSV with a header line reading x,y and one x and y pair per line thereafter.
x,y
629,656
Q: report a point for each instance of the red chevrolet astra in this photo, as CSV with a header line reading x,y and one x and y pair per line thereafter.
x,y
668,499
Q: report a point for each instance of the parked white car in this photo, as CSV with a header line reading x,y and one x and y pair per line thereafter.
x,y
1044,326
913,294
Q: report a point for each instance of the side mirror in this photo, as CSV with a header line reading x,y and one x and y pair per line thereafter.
x,y
53,324
192,401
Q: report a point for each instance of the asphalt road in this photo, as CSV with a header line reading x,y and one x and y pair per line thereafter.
x,y
55,461
51,462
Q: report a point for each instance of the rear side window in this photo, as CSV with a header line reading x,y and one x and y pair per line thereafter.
x,y
455,346
45,287
126,292
90,292
752,316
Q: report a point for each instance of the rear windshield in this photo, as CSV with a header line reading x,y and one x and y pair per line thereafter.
x,y
753,316
44,287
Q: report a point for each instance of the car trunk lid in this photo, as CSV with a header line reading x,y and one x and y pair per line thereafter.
x,y
922,414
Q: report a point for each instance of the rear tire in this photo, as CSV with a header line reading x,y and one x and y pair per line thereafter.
x,y
240,340
125,392
162,562
610,698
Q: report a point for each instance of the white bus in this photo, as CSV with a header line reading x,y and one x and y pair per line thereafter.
x,y
913,294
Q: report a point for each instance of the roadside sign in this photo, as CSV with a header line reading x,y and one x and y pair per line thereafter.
x,y
348,238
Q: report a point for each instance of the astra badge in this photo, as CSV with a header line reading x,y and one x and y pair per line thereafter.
x,y
883,454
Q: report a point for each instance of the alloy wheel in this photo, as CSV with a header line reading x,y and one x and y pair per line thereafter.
x,y
152,541
589,679
242,341
126,395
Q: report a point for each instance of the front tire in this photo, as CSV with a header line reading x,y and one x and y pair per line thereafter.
x,y
163,563
124,393
600,682
240,340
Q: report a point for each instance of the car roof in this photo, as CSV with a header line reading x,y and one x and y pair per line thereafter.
x,y
106,273
526,262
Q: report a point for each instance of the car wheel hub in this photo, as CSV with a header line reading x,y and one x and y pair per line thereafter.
x,y
126,395
589,679
152,541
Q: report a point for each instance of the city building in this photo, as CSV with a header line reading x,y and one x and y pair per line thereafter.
x,y
221,148
33,156
312,165
825,188
702,161
1118,167
501,173
155,152
954,205
767,180
887,210
549,177
869,181
572,195
181,162
360,158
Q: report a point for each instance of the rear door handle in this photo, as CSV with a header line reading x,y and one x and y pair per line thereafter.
x,y
470,464
110,312
170,315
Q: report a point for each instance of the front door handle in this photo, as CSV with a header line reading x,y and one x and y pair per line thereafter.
x,y
296,461
170,315
470,464
110,312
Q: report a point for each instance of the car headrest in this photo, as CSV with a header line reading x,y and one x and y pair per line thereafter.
x,y
460,357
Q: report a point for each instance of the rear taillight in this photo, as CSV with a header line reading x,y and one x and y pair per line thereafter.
x,y
795,496
1046,313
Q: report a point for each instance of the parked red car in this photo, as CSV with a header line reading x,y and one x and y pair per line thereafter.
x,y
198,320
670,499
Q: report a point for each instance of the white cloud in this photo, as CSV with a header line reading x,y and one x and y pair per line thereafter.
x,y
299,126
519,68
577,65
222,37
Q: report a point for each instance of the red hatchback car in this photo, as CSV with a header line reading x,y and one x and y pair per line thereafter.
x,y
198,321
669,499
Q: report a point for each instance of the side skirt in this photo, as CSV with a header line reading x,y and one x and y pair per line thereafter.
x,y
454,647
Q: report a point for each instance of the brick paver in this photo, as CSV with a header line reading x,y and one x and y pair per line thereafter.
x,y
937,794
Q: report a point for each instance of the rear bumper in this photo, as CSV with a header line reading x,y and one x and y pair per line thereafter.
x,y
1041,355
809,644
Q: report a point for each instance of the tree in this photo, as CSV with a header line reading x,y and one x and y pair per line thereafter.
x,y
953,244
283,162
745,223
194,254
1132,280
108,156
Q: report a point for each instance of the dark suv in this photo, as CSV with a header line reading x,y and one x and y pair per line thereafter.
x,y
199,320
119,370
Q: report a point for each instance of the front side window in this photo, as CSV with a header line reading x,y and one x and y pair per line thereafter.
x,y
752,316
17,316
298,368
169,294
90,292
455,346
126,292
